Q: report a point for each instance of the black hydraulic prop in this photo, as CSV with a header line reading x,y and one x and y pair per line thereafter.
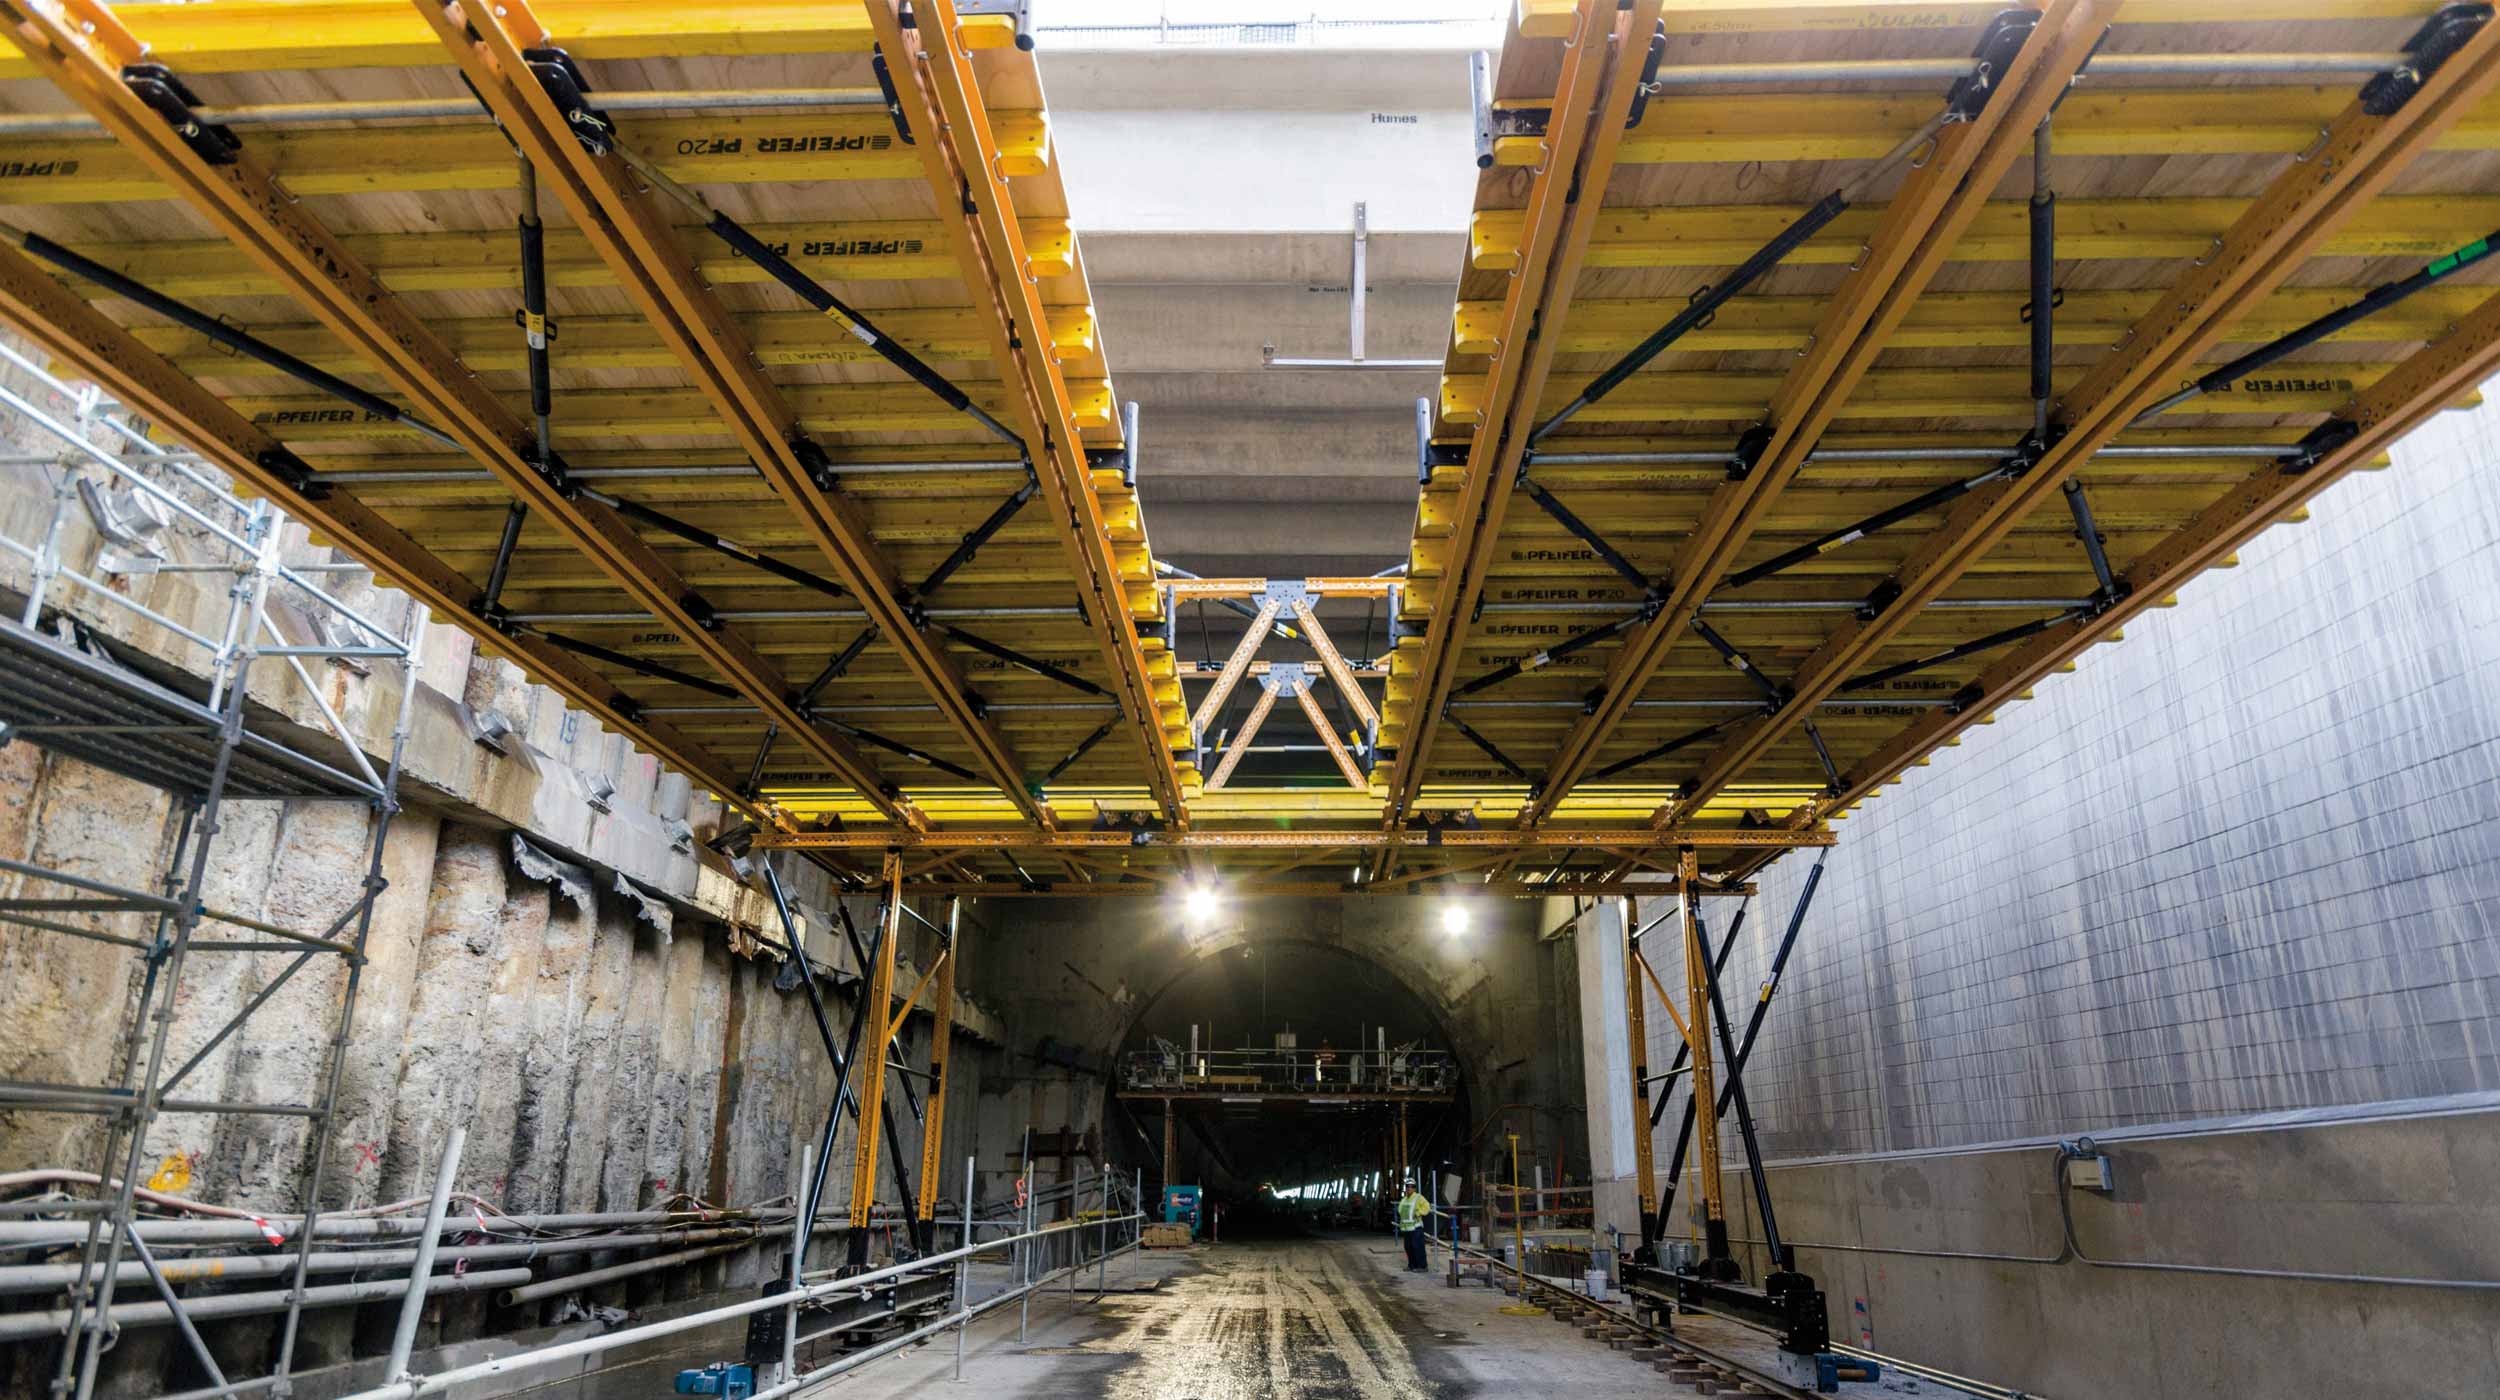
x,y
241,342
816,295
2221,380
1997,47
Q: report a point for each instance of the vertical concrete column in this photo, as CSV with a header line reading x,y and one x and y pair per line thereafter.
x,y
1606,1063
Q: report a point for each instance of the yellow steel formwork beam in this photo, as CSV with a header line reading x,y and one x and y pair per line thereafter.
x,y
1701,1081
608,413
1663,396
1552,838
740,149
968,174
1786,127
81,46
261,36
1959,320
1934,204
1636,1024
868,1077
490,259
1704,18
80,337
611,205
2355,159
1600,72
941,1038
625,342
2422,226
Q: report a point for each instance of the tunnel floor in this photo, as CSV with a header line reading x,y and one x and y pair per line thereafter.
x,y
1312,1319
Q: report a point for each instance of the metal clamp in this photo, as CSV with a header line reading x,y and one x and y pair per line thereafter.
x,y
569,89
165,94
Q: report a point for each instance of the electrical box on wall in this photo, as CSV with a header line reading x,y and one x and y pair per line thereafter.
x,y
2092,1173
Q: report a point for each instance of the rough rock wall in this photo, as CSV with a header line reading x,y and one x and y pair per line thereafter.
x,y
583,1049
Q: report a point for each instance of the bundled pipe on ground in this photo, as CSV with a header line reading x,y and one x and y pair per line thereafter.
x,y
222,1268
592,1278
34,1234
26,1326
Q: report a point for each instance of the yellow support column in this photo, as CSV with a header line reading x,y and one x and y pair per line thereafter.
x,y
941,1039
1636,1021
1705,1087
877,1006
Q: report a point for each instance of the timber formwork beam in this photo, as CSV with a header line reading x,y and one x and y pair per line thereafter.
x,y
613,207
2395,118
939,97
1601,72
1911,242
82,48
77,334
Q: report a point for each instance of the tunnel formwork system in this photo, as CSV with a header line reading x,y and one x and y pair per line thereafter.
x,y
733,373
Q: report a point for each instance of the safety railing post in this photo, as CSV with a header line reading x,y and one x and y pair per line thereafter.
x,y
412,1304
802,1220
963,1272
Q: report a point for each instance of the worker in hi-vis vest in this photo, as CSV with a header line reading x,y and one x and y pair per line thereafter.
x,y
1413,1211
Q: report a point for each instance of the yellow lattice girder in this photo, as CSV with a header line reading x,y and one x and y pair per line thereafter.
x,y
745,149
867,251
627,342
2424,226
2282,120
242,36
597,413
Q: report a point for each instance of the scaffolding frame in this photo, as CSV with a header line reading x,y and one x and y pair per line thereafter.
x,y
68,695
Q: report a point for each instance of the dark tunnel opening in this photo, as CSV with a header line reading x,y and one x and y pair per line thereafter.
x,y
1326,1152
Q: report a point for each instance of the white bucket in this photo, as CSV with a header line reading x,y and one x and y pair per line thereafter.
x,y
1597,1284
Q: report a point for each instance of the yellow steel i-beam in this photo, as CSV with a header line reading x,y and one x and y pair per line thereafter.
x,y
1328,736
1370,838
261,36
1921,222
82,48
1703,1078
1590,107
77,334
1334,660
489,259
1241,741
941,1046
2429,381
876,998
1636,1023
1234,666
940,92
2354,160
613,210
